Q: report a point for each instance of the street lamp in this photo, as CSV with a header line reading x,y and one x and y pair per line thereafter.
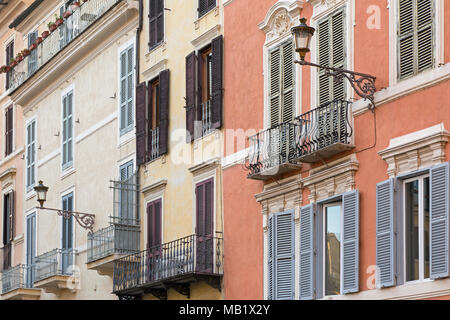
x,y
86,220
363,84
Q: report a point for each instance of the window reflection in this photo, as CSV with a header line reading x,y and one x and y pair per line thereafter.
x,y
332,249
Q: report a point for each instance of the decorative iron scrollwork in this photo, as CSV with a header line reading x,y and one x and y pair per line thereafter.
x,y
85,220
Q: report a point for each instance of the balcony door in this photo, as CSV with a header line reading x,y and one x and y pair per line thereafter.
x,y
31,249
154,241
204,229
127,194
67,235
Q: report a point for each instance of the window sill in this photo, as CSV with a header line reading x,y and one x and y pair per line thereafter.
x,y
159,45
30,194
126,138
208,13
67,172
214,132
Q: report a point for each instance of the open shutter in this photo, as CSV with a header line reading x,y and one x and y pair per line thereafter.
x,y
288,82
141,124
439,211
164,84
385,233
338,53
350,244
12,216
406,38
190,96
307,252
270,262
152,23
284,256
160,21
9,131
324,59
217,82
425,34
275,86
149,120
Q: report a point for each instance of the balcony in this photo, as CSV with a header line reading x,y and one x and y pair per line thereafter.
x,y
56,270
154,138
122,236
69,31
15,284
175,265
314,136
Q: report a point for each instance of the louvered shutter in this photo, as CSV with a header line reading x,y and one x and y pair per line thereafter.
x,y
6,220
160,21
32,58
338,53
270,258
156,22
141,124
164,84
190,96
307,252
126,89
9,131
217,82
385,233
149,120
205,5
350,242
12,215
275,86
150,225
415,36
439,220
284,256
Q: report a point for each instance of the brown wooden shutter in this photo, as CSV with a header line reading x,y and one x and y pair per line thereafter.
x,y
9,131
190,96
12,218
217,82
154,231
205,208
152,31
5,221
141,124
149,119
164,84
160,21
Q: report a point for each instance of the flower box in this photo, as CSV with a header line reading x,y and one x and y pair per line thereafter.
x,y
45,34
67,14
52,27
32,47
38,40
59,22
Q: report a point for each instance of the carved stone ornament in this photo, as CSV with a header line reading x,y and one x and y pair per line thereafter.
x,y
282,24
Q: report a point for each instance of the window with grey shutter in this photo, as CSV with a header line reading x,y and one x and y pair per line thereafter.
x,y
350,242
127,194
385,233
439,212
126,89
281,256
32,58
331,51
415,36
307,252
67,131
31,155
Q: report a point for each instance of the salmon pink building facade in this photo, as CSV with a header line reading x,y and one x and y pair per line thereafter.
x,y
333,196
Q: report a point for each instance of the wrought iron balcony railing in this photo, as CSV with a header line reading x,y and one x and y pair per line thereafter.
x,y
14,278
154,136
5,257
314,135
169,263
115,239
81,19
206,117
54,263
125,200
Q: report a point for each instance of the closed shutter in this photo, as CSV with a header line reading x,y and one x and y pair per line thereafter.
x,y
141,124
350,243
164,85
126,89
439,211
31,154
12,215
284,256
9,131
205,5
385,233
156,22
415,36
190,96
154,224
270,259
275,86
288,82
307,252
217,82
67,156
331,53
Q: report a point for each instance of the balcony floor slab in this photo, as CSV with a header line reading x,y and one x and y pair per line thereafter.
x,y
22,294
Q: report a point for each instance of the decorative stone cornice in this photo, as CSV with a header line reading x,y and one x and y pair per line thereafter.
x,y
155,69
280,18
10,172
206,37
155,187
205,166
420,149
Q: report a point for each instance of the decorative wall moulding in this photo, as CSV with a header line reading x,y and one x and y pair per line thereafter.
x,y
280,18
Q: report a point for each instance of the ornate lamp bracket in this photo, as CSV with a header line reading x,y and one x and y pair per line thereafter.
x,y
85,220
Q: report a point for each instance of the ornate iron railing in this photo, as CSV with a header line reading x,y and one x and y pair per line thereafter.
x,y
120,239
307,134
206,117
82,17
5,257
55,262
14,278
189,255
154,136
125,201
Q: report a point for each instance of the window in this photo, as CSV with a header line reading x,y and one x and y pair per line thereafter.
x,y
126,89
9,130
331,50
416,37
67,235
154,239
9,57
127,194
8,228
332,249
31,249
154,116
67,131
205,71
204,6
32,58
204,230
156,23
417,228
31,155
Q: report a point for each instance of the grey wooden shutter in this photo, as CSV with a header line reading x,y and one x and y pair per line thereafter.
x,y
275,86
32,58
350,242
284,256
439,220
217,82
67,134
190,96
385,233
270,257
141,124
307,252
126,89
164,83
415,34
288,82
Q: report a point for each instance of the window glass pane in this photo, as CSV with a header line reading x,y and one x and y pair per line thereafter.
x,y
426,226
332,250
412,230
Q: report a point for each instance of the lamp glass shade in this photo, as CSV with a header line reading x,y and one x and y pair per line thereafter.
x,y
302,35
41,192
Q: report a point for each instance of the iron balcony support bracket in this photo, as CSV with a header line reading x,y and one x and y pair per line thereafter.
x,y
362,83
85,220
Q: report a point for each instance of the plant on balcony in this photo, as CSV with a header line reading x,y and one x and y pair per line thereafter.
x,y
52,26
25,52
12,63
32,47
67,14
58,20
19,57
5,69
75,5
38,40
45,34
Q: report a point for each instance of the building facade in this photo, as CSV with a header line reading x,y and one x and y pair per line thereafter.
x,y
339,198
